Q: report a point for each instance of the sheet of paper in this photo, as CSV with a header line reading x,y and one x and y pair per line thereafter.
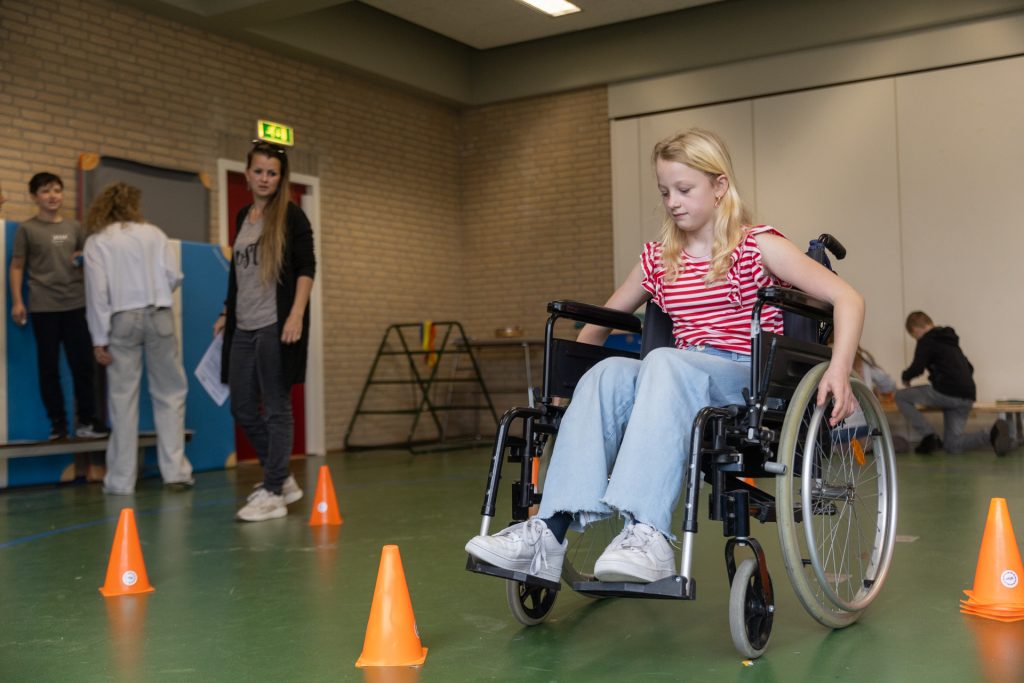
x,y
208,371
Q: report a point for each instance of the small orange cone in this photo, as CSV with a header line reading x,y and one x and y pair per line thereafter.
x,y
392,638
126,572
325,505
997,581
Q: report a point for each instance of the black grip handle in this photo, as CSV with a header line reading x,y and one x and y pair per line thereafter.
x,y
833,245
796,301
595,315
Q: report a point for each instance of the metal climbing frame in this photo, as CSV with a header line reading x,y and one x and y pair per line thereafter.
x,y
395,342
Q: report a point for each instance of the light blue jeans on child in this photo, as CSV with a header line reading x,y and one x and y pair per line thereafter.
x,y
624,441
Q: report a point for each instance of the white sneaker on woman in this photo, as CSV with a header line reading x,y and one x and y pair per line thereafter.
x,y
639,554
289,490
527,547
263,505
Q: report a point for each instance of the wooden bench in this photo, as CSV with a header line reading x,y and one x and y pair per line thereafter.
x,y
1011,411
73,445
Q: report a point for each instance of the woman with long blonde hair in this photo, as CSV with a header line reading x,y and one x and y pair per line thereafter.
x,y
624,441
266,325
130,274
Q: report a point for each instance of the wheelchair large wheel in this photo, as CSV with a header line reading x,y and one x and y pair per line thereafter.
x,y
530,605
836,504
750,617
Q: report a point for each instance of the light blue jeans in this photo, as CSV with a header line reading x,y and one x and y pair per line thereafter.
x,y
624,441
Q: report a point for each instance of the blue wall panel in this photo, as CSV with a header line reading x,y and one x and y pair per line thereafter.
x,y
203,292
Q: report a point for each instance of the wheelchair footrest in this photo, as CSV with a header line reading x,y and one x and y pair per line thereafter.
x,y
475,565
670,588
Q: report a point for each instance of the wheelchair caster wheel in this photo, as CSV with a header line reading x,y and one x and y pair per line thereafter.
x,y
750,615
530,605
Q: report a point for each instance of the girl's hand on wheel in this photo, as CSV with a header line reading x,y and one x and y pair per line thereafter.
x,y
837,383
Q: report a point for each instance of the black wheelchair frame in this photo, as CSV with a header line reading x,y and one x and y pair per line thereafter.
x,y
729,444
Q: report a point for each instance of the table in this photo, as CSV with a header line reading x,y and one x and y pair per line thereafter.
x,y
511,342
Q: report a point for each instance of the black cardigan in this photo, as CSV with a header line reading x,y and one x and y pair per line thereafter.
x,y
299,259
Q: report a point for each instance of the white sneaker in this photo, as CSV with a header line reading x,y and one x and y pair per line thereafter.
x,y
290,491
263,505
640,554
527,547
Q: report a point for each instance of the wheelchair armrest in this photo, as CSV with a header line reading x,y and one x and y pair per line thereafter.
x,y
796,301
595,315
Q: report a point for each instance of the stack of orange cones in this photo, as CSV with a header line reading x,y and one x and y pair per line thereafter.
x,y
998,592
325,505
392,638
126,571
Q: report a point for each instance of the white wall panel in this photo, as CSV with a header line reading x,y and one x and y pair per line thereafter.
x,y
961,149
826,162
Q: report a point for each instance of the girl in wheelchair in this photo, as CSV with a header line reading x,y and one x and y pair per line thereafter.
x,y
624,440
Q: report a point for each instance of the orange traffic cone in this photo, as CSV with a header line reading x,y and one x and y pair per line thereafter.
x,y
392,638
126,572
325,505
998,592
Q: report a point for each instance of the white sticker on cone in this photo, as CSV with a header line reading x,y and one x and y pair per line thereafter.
x,y
1009,578
129,578
321,507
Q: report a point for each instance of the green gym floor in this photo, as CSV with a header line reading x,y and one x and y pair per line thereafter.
x,y
280,601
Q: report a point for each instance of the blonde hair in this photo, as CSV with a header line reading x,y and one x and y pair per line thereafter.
x,y
275,214
117,203
705,152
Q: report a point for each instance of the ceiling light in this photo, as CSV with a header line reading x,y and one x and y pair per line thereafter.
x,y
555,8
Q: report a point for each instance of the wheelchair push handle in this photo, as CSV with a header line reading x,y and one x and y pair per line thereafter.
x,y
833,245
595,315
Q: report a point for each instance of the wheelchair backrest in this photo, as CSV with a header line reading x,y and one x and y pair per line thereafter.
x,y
573,360
799,326
785,362
657,330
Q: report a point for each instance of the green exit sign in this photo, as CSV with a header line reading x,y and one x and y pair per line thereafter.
x,y
276,133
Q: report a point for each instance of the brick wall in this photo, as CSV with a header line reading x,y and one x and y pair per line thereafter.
x,y
537,211
426,211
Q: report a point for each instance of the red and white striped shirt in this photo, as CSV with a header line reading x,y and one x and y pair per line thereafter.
x,y
718,315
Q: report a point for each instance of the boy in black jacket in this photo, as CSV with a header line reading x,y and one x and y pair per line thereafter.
x,y
952,389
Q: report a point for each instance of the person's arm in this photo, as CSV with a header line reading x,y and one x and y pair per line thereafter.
x,y
16,278
881,379
627,298
171,271
221,322
97,298
785,261
303,259
292,330
918,365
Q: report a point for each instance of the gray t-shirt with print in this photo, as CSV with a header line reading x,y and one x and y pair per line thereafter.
x,y
256,306
55,282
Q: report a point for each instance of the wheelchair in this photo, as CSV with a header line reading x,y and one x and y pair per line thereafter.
x,y
835,488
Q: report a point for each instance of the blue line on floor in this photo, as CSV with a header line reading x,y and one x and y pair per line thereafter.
x,y
220,501
97,522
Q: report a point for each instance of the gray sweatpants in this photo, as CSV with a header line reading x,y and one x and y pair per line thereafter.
x,y
955,412
150,329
